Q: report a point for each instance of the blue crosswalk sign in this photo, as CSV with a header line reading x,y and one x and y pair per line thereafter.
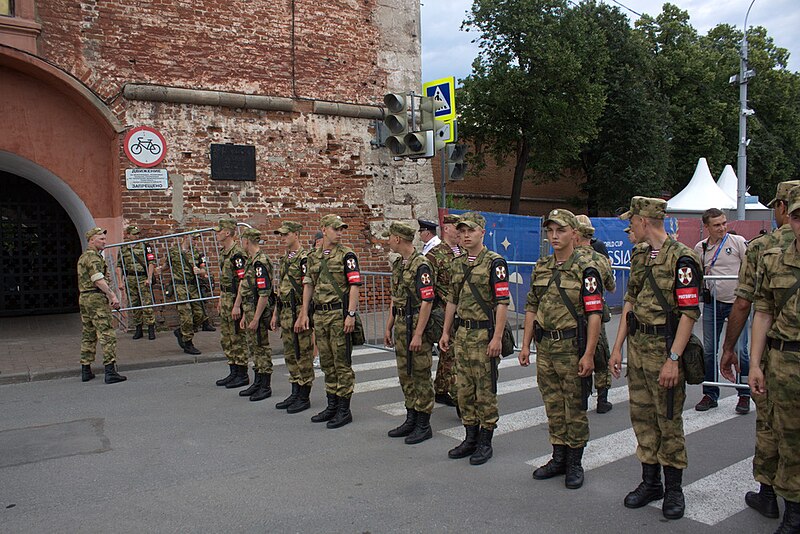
x,y
443,91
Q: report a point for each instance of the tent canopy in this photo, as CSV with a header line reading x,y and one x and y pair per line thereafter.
x,y
700,194
729,183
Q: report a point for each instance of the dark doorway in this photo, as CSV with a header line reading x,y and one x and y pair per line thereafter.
x,y
39,248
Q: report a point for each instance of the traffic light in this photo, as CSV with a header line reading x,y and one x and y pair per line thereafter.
x,y
397,123
425,142
456,168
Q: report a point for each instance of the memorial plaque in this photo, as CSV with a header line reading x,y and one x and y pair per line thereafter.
x,y
233,162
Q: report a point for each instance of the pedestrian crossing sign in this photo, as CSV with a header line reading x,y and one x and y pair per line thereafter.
x,y
443,91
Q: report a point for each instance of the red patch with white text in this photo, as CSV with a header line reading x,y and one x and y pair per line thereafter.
x,y
261,280
426,292
148,251
501,289
592,303
688,297
354,277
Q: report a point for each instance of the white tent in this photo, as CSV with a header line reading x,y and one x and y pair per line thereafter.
x,y
700,194
729,183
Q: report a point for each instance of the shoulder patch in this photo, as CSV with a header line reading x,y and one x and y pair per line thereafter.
x,y
499,278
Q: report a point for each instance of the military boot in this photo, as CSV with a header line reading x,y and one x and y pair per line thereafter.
x,y
86,373
422,430
224,381
178,335
407,427
112,376
138,334
241,378
207,326
648,490
189,348
764,502
603,406
301,403
674,503
557,465
466,447
151,332
484,450
329,411
343,415
264,390
253,387
791,519
285,403
574,478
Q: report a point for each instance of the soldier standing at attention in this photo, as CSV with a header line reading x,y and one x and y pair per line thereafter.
x,y
256,299
776,328
563,315
185,275
333,279
412,299
440,257
765,460
477,354
135,266
298,347
655,374
94,300
231,259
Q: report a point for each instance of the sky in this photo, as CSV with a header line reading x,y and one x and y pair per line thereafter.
x,y
447,51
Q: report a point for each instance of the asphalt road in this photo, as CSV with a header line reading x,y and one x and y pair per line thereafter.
x,y
168,451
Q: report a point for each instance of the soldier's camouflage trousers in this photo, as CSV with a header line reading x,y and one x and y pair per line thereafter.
x,y
560,386
475,398
783,383
445,381
139,294
660,440
96,326
417,388
233,344
765,459
301,371
261,354
191,314
333,358
602,376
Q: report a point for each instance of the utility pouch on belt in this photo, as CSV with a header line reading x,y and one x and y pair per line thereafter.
x,y
633,322
538,332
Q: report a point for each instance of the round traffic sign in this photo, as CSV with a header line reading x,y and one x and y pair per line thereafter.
x,y
145,146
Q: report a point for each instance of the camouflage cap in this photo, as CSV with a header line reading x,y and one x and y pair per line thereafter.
x,y
793,199
561,218
227,224
783,192
289,226
451,218
585,227
472,219
652,208
94,231
132,230
251,234
401,230
334,221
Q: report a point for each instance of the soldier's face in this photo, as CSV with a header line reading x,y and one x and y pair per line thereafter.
x,y
560,237
637,226
394,241
470,237
98,241
332,235
290,239
450,231
794,222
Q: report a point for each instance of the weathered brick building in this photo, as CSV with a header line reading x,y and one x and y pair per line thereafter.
x,y
298,80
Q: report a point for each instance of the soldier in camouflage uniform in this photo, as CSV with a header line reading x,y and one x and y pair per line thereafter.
x,y
94,300
565,349
232,260
181,261
477,354
333,280
298,347
602,374
412,300
440,257
655,374
257,300
776,327
135,266
765,460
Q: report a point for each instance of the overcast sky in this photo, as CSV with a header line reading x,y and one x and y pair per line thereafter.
x,y
447,51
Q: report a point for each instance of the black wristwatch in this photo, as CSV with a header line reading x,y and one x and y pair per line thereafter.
x,y
674,356
351,313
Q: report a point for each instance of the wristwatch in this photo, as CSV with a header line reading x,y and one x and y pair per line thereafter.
x,y
674,356
351,313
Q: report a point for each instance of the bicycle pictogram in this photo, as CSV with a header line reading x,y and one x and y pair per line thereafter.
x,y
143,143
145,146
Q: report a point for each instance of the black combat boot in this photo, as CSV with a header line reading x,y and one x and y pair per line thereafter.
x,y
253,387
674,504
343,415
86,373
557,465
791,519
207,326
189,348
407,427
764,502
138,334
241,379
264,390
112,376
224,381
648,490
484,450
574,478
422,430
603,406
151,332
444,398
178,335
301,403
285,403
329,411
466,447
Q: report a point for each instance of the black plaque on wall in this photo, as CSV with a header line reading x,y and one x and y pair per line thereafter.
x,y
233,162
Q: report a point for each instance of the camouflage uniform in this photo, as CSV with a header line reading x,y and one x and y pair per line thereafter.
x,y
257,284
185,283
602,375
133,261
440,258
292,269
232,262
95,311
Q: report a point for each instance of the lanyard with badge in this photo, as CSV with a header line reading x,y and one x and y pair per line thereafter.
x,y
711,266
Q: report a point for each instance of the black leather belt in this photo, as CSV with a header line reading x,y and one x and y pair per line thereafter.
x,y
653,330
783,346
557,335
328,307
469,324
402,311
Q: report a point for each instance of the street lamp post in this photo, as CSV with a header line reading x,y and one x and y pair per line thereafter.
x,y
741,164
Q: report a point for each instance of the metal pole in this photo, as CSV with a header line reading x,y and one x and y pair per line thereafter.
x,y
742,154
444,177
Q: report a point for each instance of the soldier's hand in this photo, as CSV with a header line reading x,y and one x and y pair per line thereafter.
x,y
756,381
387,338
669,375
273,324
253,326
301,324
444,342
494,348
728,362
236,313
615,363
242,324
524,356
349,325
148,282
585,366
114,302
416,344
219,306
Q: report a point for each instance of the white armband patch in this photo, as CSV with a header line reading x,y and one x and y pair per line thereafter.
x,y
97,276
